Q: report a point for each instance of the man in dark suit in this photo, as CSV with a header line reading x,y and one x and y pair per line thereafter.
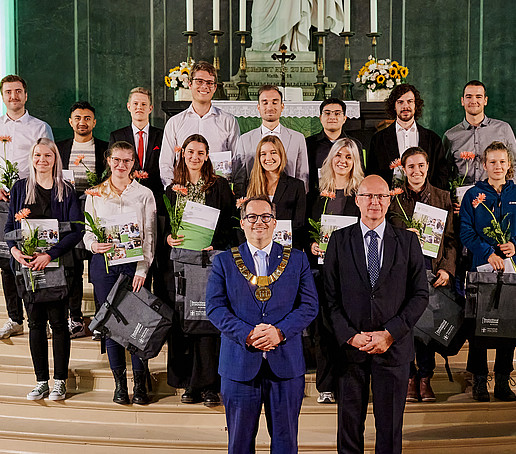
x,y
261,296
405,105
80,153
146,139
376,290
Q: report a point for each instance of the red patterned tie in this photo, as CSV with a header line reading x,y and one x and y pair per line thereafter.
x,y
140,148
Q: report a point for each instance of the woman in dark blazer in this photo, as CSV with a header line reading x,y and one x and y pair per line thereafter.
x,y
415,163
268,178
193,359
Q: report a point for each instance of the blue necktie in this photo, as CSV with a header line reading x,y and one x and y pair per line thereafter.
x,y
373,260
262,263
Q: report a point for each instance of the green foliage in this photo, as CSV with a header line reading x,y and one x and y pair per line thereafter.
x,y
175,215
9,174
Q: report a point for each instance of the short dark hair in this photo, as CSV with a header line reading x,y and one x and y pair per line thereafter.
x,y
269,87
203,66
413,151
333,101
81,105
474,83
262,198
12,78
397,92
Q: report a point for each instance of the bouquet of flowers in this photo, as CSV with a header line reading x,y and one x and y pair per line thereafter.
x,y
495,231
178,76
315,231
9,170
457,182
141,175
90,175
30,243
375,75
409,221
175,214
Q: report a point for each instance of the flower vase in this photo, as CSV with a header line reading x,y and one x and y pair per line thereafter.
x,y
379,95
182,94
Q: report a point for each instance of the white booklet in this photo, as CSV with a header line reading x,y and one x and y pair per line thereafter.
x,y
434,222
48,234
123,231
330,223
69,176
461,190
283,232
487,268
222,163
198,225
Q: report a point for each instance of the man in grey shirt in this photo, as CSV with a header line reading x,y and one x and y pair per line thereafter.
x,y
474,134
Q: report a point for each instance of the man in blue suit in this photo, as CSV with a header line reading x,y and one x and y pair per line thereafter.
x,y
261,296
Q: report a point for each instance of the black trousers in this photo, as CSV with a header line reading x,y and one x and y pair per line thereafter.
x,y
76,291
477,356
425,360
12,301
389,387
56,313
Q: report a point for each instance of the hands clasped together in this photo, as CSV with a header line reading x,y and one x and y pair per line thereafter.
x,y
374,342
264,337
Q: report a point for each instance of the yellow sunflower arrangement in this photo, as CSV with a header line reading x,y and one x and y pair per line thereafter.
x,y
178,76
378,74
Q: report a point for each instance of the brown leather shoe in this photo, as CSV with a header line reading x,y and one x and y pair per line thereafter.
x,y
412,395
425,390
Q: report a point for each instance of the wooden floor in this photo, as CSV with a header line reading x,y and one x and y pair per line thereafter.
x,y
89,422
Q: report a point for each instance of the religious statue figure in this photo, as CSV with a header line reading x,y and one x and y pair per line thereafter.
x,y
277,22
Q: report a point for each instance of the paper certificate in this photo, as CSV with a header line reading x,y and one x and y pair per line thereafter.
x,y
123,231
198,225
222,163
487,268
48,234
434,222
69,176
461,190
283,232
330,223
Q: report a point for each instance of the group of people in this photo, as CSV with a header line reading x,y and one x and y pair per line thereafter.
x,y
360,295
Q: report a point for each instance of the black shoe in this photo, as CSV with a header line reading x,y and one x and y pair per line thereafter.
x,y
210,398
480,391
140,396
121,395
502,390
191,396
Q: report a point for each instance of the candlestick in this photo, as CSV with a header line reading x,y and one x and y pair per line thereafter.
x,y
347,85
347,16
189,15
374,16
373,37
216,14
243,85
320,85
320,15
243,16
220,93
189,34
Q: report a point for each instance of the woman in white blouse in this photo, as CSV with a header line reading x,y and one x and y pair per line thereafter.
x,y
121,193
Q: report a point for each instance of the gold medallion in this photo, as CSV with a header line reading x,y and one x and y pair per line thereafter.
x,y
263,294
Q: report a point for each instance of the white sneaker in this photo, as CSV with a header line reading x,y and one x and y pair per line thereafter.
x,y
59,390
77,329
11,329
326,398
40,391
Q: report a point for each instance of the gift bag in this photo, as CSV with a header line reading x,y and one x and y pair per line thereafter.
x,y
491,301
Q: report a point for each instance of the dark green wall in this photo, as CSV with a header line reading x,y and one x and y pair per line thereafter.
x,y
98,50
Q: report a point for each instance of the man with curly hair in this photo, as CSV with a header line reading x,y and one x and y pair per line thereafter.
x,y
405,106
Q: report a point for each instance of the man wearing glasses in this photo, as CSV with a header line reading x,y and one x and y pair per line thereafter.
x,y
376,290
219,128
332,117
261,296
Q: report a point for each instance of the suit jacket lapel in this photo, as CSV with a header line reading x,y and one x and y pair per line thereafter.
x,y
249,262
389,251
358,253
129,137
391,143
422,138
150,147
280,189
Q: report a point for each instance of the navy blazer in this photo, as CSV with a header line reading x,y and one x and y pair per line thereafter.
x,y
232,307
396,302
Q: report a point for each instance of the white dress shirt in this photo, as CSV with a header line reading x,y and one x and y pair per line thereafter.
x,y
406,137
253,251
274,132
380,230
145,130
135,199
219,128
24,132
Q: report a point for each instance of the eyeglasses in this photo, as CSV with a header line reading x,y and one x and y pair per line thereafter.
x,y
253,218
125,162
379,197
337,113
201,82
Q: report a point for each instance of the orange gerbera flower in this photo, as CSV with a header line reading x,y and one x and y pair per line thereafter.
x,y
93,192
467,155
141,174
394,164
329,194
241,201
78,160
396,191
177,149
480,199
6,139
22,214
180,189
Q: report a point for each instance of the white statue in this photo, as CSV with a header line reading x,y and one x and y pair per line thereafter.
x,y
277,22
